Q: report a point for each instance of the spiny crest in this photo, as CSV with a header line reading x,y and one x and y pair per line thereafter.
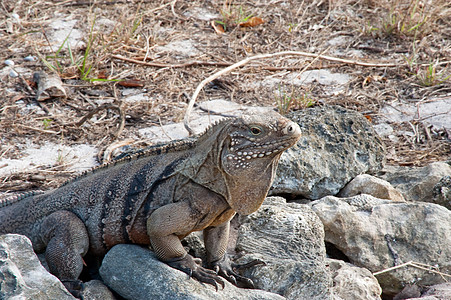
x,y
172,146
10,199
211,129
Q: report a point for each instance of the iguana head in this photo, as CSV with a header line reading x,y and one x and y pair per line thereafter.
x,y
251,149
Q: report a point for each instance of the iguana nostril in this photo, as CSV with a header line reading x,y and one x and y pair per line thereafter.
x,y
291,129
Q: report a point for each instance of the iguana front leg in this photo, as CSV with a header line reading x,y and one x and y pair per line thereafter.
x,y
165,226
66,241
216,240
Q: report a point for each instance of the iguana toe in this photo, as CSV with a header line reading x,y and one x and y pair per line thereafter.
x,y
252,263
225,268
189,265
208,276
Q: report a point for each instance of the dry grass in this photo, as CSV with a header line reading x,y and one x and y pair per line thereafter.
x,y
414,34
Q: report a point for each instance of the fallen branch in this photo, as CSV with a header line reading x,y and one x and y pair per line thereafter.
x,y
262,56
225,64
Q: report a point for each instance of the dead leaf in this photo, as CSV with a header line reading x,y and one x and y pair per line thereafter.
x,y
131,83
252,22
219,28
368,117
102,75
373,78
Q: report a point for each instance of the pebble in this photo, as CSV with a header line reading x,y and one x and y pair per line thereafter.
x,y
30,58
15,16
9,62
13,73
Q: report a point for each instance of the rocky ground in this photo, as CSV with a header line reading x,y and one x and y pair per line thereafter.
x,y
368,85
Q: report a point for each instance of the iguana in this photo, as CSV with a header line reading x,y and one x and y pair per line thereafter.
x,y
156,198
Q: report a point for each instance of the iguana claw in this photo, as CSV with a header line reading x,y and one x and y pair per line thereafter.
x,y
191,267
226,269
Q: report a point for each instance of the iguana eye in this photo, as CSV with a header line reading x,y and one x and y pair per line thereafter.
x,y
255,130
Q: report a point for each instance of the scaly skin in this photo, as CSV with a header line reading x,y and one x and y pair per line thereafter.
x,y
157,198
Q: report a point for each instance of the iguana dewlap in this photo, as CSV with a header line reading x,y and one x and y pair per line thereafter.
x,y
158,197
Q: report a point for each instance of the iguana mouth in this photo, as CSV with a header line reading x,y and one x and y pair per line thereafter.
x,y
259,150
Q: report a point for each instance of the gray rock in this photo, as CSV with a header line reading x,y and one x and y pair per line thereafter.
x,y
336,145
378,234
417,184
442,192
376,187
426,111
194,245
289,238
351,282
439,292
21,274
96,290
135,273
408,292
435,292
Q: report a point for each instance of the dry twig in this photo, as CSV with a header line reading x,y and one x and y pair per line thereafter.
x,y
414,264
262,56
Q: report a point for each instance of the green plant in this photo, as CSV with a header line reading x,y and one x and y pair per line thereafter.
x,y
292,100
406,20
430,77
46,123
60,159
66,64
53,61
292,26
233,15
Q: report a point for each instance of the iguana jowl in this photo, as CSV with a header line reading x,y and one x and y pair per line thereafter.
x,y
158,197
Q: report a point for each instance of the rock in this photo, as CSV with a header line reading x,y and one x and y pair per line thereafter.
x,y
408,292
426,111
142,276
336,145
435,292
417,184
442,192
351,282
21,274
367,184
439,292
378,234
194,245
289,238
78,158
96,290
